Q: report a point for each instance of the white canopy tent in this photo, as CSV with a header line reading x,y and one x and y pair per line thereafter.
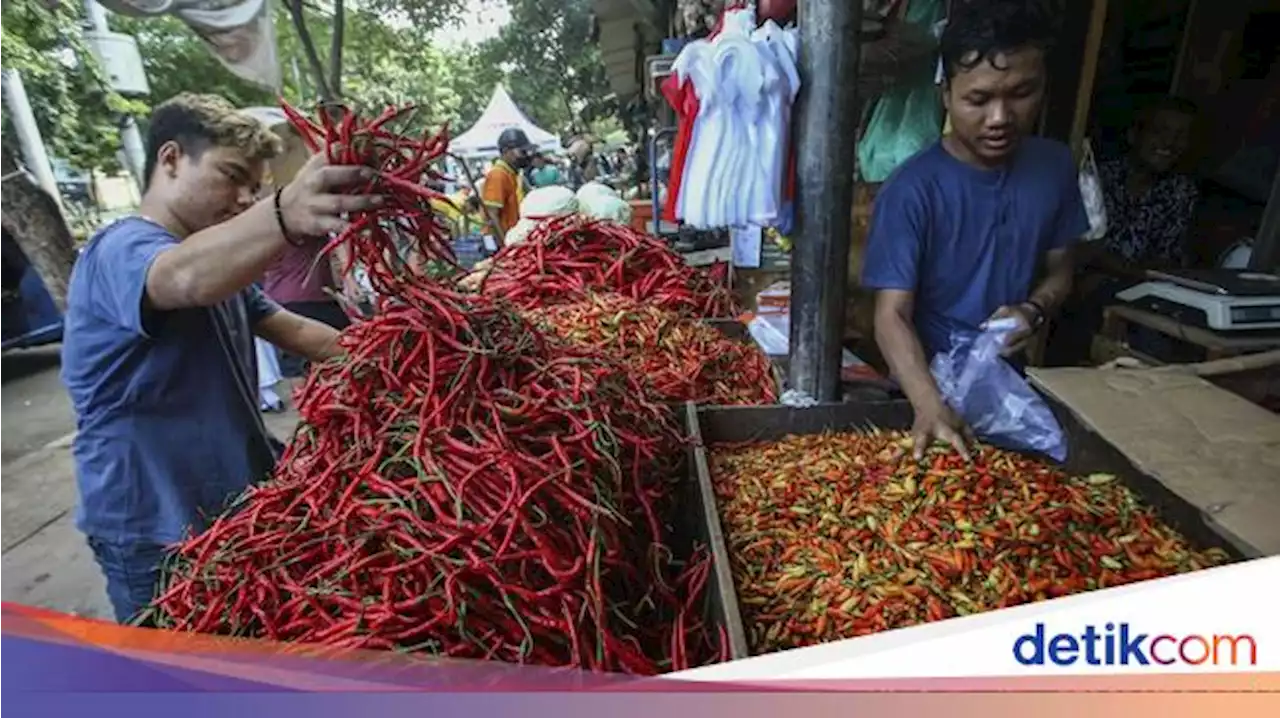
x,y
501,113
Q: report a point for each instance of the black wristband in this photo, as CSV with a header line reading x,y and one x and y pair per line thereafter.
x,y
280,219
1041,314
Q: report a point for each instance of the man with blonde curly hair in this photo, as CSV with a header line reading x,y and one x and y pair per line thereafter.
x,y
158,352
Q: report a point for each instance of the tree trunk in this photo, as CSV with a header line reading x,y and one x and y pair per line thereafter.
x,y
32,219
335,49
309,49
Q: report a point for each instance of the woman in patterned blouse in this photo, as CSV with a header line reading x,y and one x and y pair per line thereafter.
x,y
1149,209
1149,203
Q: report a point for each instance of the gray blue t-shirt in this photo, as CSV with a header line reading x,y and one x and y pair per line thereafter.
x,y
968,241
168,429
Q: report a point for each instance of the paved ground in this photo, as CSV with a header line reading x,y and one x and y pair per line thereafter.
x,y
35,408
45,560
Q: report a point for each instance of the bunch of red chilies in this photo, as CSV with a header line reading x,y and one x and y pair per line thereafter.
x,y
564,259
676,358
461,484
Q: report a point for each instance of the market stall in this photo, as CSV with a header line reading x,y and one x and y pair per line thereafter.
x,y
502,113
802,561
488,474
576,456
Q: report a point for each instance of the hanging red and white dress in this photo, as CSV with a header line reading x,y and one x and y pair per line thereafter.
x,y
733,95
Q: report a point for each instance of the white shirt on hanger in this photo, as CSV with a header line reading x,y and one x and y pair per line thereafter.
x,y
746,80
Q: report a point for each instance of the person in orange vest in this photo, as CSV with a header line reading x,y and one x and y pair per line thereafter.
x,y
503,184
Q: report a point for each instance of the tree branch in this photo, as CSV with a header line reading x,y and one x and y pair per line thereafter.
x,y
309,49
335,48
33,220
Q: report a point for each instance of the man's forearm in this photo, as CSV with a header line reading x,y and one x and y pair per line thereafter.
x,y
1051,293
896,336
213,264
296,334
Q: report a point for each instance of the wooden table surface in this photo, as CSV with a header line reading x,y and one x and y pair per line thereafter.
x,y
1225,342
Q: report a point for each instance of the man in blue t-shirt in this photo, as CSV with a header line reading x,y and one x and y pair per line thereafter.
x,y
158,353
980,225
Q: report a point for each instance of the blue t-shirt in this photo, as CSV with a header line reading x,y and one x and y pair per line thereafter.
x,y
968,241
168,428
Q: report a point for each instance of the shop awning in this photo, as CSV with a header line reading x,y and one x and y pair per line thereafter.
x,y
501,114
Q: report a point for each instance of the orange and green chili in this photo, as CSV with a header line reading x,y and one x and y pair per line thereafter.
x,y
841,535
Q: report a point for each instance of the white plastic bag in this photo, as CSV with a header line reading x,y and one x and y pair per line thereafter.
x,y
603,203
548,202
538,205
268,376
1091,192
520,232
992,398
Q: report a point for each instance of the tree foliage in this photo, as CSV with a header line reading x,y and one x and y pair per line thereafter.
x,y
74,108
545,56
177,61
553,65
322,32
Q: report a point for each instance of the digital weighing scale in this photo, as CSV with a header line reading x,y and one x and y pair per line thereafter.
x,y
1218,299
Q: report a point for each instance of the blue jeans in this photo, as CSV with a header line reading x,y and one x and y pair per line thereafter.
x,y
132,572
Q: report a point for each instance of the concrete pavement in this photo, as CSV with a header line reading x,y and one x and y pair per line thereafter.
x,y
35,408
45,561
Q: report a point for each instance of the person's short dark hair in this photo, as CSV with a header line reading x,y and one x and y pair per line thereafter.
x,y
1165,103
979,30
198,122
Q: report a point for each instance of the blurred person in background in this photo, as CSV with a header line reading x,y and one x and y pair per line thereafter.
x,y
1150,204
582,164
503,188
1150,200
543,172
303,281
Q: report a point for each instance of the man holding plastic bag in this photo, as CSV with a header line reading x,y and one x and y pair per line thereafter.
x,y
969,248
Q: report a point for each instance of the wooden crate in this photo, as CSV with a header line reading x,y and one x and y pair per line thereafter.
x,y
1090,453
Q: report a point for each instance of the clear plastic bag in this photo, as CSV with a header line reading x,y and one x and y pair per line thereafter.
x,y
992,398
1091,192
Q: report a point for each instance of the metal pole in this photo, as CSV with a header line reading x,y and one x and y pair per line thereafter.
x,y
826,140
135,153
32,144
97,15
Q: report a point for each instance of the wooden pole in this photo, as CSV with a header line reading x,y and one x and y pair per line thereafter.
x,y
488,211
1179,67
1088,73
1230,365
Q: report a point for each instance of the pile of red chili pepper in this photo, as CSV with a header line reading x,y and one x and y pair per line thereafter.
x,y
461,484
678,359
840,535
403,162
566,258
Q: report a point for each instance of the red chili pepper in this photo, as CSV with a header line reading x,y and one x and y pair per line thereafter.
x,y
462,483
